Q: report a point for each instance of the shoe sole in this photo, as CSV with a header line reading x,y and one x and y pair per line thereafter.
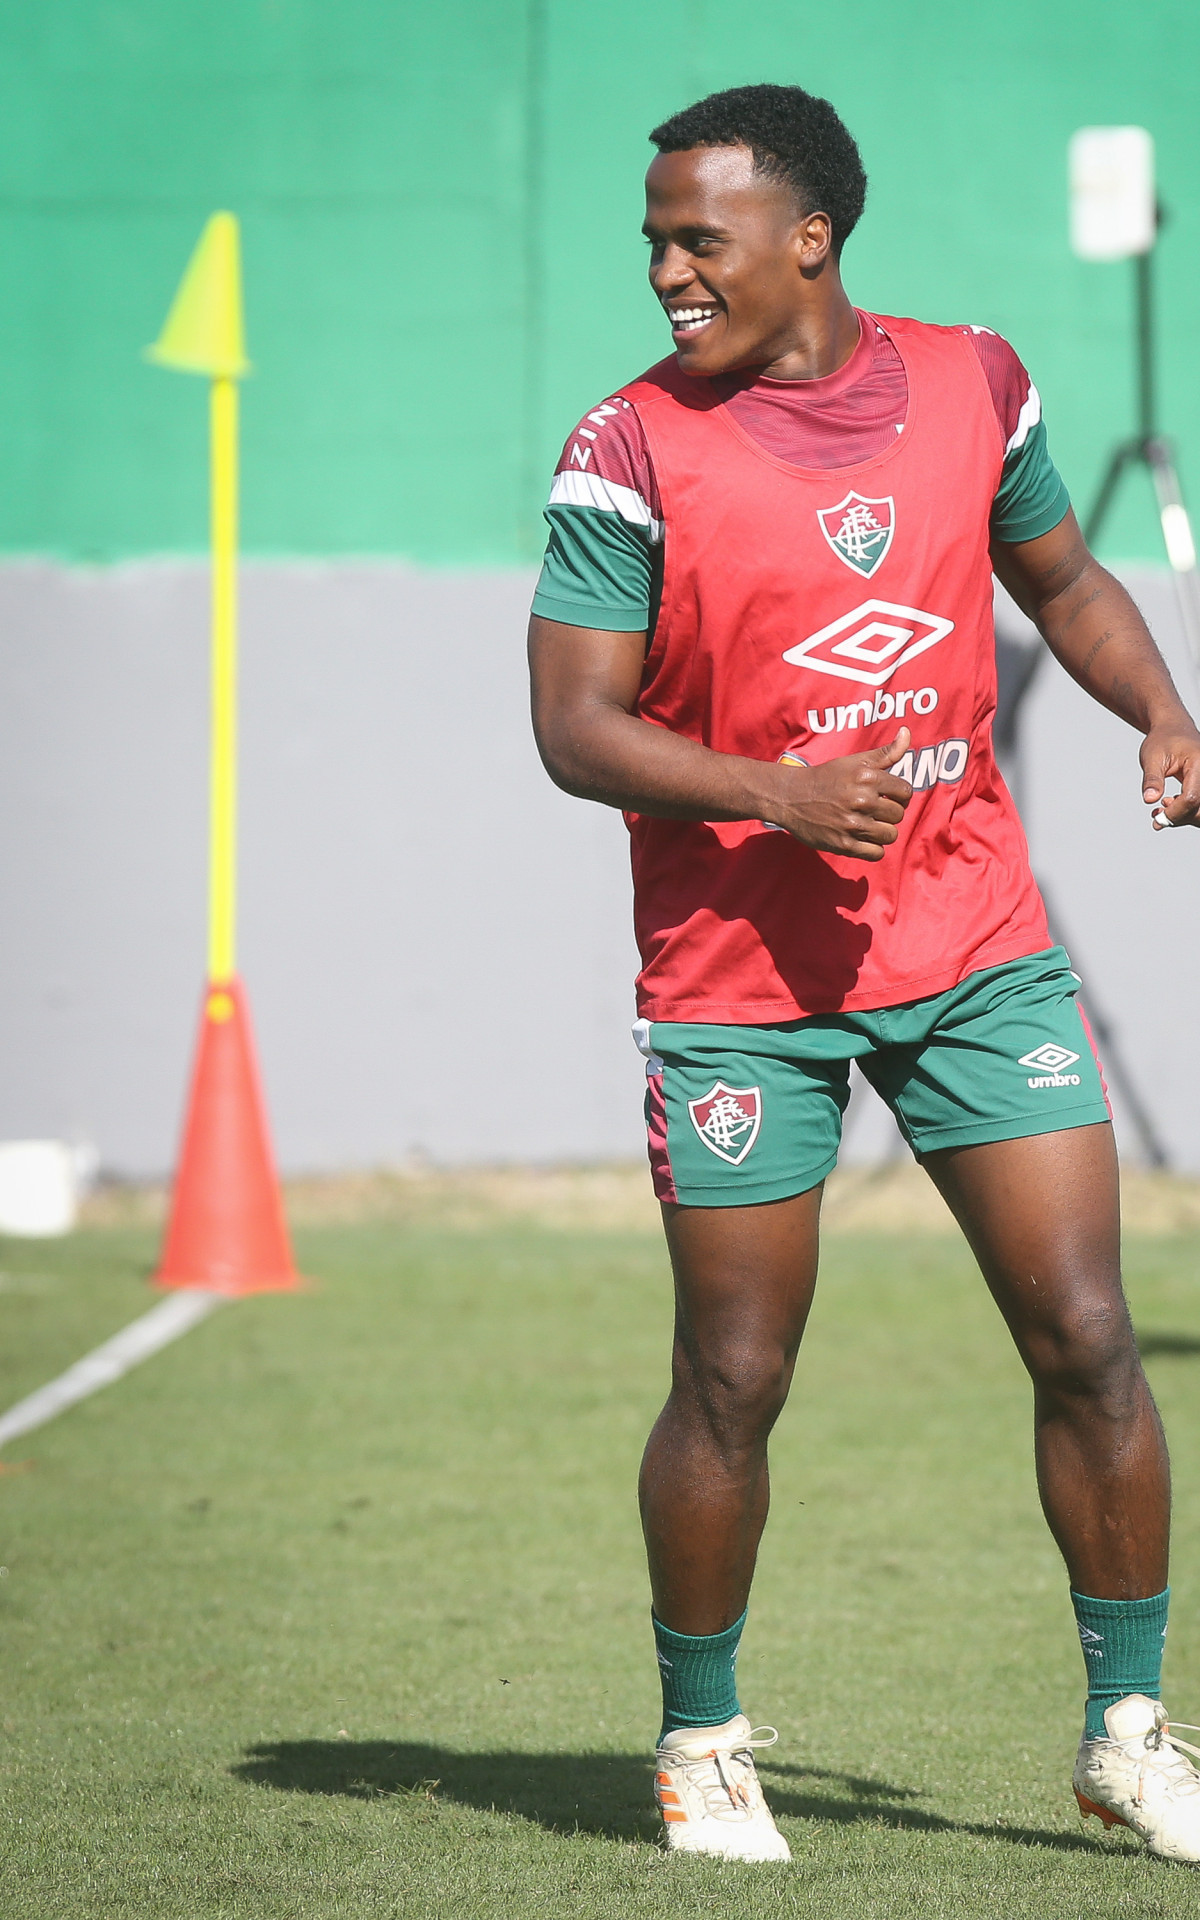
x,y
1111,1819
1105,1815
676,1852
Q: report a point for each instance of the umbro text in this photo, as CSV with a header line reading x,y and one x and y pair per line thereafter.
x,y
864,713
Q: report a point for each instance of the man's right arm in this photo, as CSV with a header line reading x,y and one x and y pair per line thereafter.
x,y
594,745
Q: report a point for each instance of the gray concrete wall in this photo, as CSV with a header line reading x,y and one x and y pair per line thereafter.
x,y
435,941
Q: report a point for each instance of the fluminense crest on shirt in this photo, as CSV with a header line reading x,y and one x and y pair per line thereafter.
x,y
860,531
727,1120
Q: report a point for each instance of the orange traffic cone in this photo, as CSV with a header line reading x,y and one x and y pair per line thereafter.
x,y
227,1229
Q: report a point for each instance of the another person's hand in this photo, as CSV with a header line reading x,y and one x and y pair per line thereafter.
x,y
852,805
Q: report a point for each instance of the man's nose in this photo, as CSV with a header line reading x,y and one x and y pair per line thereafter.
x,y
672,270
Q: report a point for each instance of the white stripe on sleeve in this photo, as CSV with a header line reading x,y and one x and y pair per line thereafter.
x,y
574,489
1027,420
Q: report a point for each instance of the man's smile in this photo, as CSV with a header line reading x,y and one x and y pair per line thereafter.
x,y
687,320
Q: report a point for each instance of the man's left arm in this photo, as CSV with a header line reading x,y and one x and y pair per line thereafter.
x,y
1094,630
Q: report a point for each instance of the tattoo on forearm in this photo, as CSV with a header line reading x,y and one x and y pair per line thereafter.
x,y
1122,691
1094,649
1079,607
1070,559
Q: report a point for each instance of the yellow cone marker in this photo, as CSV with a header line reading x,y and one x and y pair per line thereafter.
x,y
204,333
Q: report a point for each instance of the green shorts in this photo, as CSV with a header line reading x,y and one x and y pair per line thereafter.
x,y
739,1115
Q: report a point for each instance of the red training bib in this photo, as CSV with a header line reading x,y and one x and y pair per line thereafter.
x,y
809,613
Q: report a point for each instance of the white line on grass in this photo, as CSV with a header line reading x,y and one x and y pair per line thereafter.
x,y
107,1363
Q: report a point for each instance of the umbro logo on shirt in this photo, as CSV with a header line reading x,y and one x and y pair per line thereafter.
x,y
869,643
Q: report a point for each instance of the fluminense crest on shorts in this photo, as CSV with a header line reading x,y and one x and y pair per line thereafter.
x,y
727,1120
860,531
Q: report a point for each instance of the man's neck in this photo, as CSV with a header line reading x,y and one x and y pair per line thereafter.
x,y
826,336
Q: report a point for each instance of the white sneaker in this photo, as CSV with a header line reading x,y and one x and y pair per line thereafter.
x,y
708,1793
1138,1778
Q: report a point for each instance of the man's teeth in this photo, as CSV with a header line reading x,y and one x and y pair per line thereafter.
x,y
685,319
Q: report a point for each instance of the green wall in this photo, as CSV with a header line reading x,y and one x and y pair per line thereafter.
x,y
441,211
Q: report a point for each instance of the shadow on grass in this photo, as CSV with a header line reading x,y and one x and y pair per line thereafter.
x,y
1154,1345
602,1793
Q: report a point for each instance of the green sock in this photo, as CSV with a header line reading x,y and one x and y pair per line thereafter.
x,y
697,1670
1122,1644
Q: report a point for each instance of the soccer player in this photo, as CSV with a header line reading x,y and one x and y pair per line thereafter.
x,y
764,631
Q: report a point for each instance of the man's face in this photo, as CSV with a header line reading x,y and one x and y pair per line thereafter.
x,y
729,255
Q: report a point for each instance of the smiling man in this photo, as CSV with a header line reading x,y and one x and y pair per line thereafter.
x,y
764,631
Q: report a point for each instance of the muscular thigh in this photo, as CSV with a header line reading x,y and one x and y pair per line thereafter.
x,y
1042,1215
744,1278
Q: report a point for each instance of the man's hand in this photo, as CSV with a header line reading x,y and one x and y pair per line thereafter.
x,y
1172,753
852,806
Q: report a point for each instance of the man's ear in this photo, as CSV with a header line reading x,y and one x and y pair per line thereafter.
x,y
814,241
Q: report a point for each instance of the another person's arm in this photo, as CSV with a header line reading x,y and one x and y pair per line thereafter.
x,y
1094,629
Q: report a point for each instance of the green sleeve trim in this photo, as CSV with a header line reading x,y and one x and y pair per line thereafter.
x,y
597,571
574,613
1031,497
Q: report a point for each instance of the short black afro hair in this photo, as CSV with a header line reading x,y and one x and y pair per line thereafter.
x,y
795,137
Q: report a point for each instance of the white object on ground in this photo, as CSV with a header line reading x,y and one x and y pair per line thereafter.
x,y
1113,210
164,1323
40,1182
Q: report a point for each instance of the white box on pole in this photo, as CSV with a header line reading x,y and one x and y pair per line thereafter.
x,y
1113,206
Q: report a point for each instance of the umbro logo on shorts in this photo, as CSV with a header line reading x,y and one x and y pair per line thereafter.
x,y
1051,1059
727,1120
869,643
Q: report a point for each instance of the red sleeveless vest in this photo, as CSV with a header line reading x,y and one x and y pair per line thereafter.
x,y
808,612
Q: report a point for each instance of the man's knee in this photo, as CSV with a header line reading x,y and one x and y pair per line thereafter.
x,y
1087,1352
738,1390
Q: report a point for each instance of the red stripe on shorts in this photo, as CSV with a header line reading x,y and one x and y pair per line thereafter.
x,y
656,1140
1087,1027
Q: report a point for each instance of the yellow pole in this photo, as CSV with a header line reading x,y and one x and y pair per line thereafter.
x,y
222,867
204,333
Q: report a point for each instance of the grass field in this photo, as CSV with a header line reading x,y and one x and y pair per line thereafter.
x,y
337,1606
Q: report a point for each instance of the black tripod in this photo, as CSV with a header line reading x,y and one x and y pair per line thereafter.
x,y
1150,449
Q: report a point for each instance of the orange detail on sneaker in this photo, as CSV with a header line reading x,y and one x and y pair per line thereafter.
x,y
1088,1807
